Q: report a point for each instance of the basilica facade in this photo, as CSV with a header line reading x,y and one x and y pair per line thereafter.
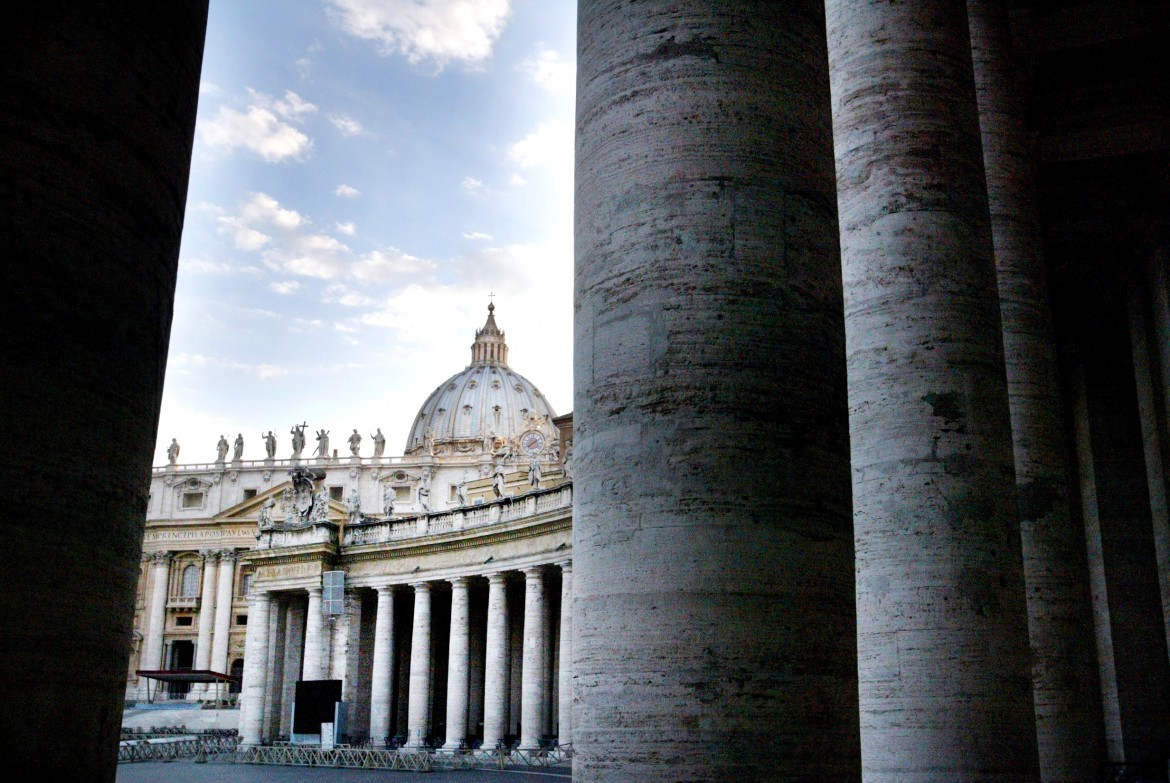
x,y
452,562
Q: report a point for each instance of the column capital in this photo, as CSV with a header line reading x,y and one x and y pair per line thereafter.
x,y
384,590
209,554
421,587
497,578
227,555
316,590
459,581
161,558
534,573
566,566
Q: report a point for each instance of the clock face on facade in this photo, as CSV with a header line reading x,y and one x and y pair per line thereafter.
x,y
532,443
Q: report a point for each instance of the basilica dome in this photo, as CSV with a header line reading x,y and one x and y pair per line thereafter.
x,y
486,407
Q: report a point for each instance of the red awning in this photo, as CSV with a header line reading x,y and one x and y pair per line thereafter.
x,y
187,675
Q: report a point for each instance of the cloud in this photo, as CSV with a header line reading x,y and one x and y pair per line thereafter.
x,y
260,211
550,143
347,125
208,88
284,287
472,185
477,236
547,70
349,229
341,294
517,180
391,265
345,191
261,371
259,129
433,31
202,266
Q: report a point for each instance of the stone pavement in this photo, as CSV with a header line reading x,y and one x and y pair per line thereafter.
x,y
190,772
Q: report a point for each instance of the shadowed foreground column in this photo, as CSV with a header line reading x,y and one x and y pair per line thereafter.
x,y
943,656
97,114
712,546
1065,691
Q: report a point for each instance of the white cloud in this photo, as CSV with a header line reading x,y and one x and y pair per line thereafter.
x,y
338,293
472,185
477,236
345,191
434,31
310,255
261,371
347,125
284,287
550,143
208,88
547,70
349,229
293,107
391,265
517,180
257,130
202,266
262,208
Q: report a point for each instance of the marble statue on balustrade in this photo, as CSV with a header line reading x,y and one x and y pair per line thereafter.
x,y
355,443
461,493
173,451
388,502
567,462
499,480
353,507
221,449
298,439
269,445
238,448
424,496
322,444
379,443
534,472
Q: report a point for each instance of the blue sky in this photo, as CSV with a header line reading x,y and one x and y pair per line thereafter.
x,y
365,172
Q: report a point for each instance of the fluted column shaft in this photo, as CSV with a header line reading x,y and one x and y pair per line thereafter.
x,y
206,614
1067,701
458,664
565,674
495,687
382,676
708,323
255,669
314,637
224,595
532,673
418,711
160,565
943,655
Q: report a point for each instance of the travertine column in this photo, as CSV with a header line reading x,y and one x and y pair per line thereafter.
x,y
943,655
712,533
343,663
160,569
294,639
97,115
565,685
418,716
382,677
224,596
274,675
532,676
495,680
1065,693
255,669
206,616
314,637
457,665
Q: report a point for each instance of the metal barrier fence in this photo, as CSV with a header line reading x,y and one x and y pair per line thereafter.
x,y
383,758
191,746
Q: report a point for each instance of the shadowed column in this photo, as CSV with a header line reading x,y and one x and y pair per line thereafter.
x,y
532,676
714,633
418,714
1065,692
457,665
255,684
382,676
495,697
97,115
943,655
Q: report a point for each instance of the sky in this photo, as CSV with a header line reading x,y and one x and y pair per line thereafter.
x,y
365,174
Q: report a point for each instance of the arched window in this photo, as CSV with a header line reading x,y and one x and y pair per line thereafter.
x,y
190,584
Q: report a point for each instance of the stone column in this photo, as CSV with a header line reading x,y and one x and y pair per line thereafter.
x,y
206,616
98,111
294,639
255,670
314,637
943,656
224,595
1065,694
418,716
382,677
274,674
565,684
532,677
495,680
160,569
711,450
457,665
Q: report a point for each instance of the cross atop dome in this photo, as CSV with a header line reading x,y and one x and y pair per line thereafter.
x,y
489,346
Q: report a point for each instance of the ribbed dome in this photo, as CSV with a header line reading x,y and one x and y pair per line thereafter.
x,y
486,400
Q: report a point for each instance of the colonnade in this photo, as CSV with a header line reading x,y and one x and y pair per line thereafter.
x,y
213,619
388,643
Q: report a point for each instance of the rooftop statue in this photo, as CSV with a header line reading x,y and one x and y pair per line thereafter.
x,y
298,439
355,443
238,450
379,442
173,451
269,444
221,449
323,444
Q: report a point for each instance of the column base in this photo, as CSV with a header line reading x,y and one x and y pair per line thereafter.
x,y
451,747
